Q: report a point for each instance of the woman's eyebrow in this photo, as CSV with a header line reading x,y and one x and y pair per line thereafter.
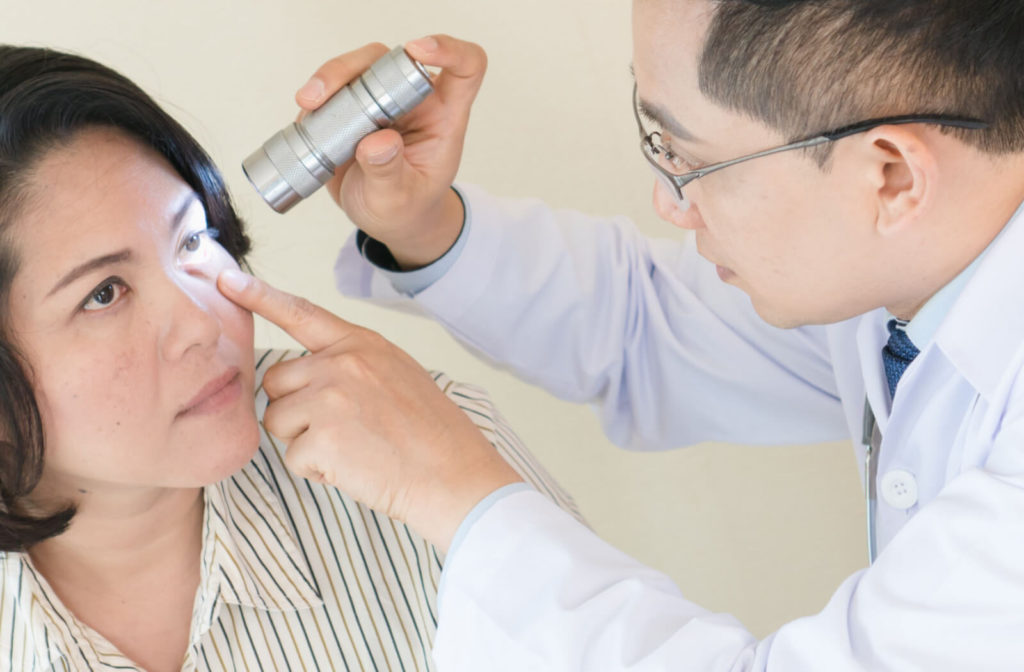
x,y
89,266
179,214
120,256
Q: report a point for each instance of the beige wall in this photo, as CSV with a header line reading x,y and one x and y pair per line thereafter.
x,y
764,533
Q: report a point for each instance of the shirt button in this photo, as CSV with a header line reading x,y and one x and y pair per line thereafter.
x,y
899,489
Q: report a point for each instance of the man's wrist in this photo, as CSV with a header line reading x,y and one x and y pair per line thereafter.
x,y
449,505
412,282
477,512
442,231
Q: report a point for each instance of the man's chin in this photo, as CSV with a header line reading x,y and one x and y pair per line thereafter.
x,y
782,318
791,319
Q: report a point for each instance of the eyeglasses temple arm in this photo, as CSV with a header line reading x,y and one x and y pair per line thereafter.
x,y
800,144
956,122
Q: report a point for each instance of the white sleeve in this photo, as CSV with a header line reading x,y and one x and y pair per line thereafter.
x,y
593,311
529,588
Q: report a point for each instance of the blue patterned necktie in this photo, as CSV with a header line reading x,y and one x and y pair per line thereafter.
x,y
897,354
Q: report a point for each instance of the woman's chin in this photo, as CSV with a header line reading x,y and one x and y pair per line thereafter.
x,y
221,457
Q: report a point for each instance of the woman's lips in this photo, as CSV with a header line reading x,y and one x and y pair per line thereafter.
x,y
220,392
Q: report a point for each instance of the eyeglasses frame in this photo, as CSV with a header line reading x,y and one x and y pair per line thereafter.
x,y
650,149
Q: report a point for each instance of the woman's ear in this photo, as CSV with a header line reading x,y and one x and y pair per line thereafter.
x,y
902,168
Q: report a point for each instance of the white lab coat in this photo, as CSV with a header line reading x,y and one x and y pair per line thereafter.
x,y
593,311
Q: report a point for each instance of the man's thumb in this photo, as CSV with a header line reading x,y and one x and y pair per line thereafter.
x,y
377,154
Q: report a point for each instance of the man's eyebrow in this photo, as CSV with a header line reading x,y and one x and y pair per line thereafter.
x,y
663,118
120,256
667,121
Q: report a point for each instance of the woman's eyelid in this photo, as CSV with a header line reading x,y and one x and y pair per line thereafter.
x,y
190,235
194,220
197,250
121,288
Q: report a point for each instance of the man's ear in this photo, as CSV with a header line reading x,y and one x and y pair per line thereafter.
x,y
902,169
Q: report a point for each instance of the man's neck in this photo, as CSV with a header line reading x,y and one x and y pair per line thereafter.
x,y
972,219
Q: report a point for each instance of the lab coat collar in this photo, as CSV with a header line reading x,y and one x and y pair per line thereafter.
x,y
871,337
985,327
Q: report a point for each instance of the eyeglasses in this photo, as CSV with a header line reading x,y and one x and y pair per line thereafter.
x,y
676,174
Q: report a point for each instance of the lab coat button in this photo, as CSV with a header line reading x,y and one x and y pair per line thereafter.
x,y
899,489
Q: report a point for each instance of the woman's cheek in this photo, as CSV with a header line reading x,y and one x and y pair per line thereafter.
x,y
93,400
240,319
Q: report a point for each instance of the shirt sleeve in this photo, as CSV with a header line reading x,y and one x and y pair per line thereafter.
x,y
411,283
945,594
643,329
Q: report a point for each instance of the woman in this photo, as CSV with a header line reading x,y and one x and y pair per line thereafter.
x,y
147,521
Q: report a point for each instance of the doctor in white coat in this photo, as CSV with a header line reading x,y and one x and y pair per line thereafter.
x,y
864,277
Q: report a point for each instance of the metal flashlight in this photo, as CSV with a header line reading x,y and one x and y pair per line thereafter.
x,y
302,157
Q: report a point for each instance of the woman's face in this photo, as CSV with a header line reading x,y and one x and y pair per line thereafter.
x,y
143,371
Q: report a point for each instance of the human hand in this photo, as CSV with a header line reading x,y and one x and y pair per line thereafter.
x,y
397,188
360,414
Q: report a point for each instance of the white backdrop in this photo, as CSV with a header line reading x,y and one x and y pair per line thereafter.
x,y
763,533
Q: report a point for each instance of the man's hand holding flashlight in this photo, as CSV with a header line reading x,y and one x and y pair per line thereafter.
x,y
397,189
360,414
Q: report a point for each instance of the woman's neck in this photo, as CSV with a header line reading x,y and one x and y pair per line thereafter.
x,y
121,536
129,567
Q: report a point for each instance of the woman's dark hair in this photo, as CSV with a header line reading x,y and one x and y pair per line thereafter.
x,y
46,98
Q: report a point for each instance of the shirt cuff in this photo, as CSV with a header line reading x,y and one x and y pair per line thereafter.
x,y
413,282
476,513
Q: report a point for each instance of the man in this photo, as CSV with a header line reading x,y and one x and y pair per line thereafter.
x,y
857,164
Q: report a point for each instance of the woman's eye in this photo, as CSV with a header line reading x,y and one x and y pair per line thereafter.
x,y
194,240
106,295
194,243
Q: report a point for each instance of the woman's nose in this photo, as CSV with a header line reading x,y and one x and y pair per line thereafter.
x,y
189,322
668,208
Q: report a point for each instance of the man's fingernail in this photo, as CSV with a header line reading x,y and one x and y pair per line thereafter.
x,y
424,44
235,280
383,156
312,90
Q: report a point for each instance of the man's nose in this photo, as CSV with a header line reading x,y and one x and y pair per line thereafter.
x,y
188,321
668,208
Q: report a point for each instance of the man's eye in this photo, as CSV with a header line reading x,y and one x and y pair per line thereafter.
x,y
675,159
106,295
671,161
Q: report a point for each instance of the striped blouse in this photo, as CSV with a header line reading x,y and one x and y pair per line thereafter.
x,y
294,575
